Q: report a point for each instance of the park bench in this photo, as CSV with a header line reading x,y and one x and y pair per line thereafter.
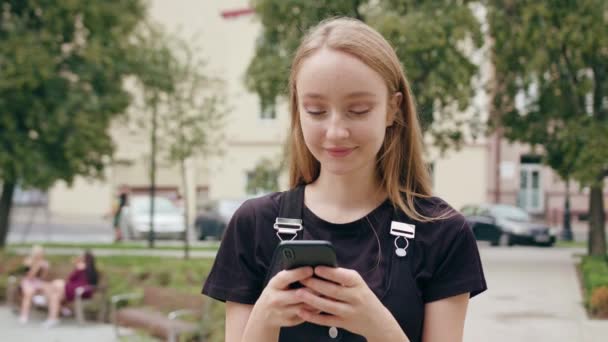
x,y
13,295
159,312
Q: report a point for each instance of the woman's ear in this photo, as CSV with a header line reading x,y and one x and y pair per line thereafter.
x,y
394,107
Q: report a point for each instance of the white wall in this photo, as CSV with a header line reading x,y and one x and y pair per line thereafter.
x,y
85,198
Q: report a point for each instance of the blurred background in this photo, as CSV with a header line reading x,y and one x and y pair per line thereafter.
x,y
136,128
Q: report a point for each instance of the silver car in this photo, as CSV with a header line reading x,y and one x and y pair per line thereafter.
x,y
168,218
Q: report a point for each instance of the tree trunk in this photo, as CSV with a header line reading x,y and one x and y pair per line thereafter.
x,y
597,219
151,236
6,200
567,232
186,211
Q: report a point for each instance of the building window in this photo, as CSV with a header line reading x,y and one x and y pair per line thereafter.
x,y
530,195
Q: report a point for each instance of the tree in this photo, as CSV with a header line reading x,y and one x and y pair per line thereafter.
x,y
561,151
156,82
551,60
191,117
62,65
431,39
265,177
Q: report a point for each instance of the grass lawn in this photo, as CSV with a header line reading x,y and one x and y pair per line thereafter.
x,y
594,274
571,244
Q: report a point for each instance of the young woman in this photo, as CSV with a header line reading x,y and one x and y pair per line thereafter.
x,y
33,281
60,292
356,159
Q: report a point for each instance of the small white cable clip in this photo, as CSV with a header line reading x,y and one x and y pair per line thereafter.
x,y
287,226
333,332
404,230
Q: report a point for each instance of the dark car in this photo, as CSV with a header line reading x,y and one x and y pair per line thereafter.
x,y
209,226
507,225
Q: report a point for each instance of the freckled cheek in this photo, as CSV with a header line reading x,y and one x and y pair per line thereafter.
x,y
312,141
313,134
369,137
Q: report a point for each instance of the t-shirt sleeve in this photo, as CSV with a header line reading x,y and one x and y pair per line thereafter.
x,y
457,264
235,275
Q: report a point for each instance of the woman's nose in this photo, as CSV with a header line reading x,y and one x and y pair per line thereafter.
x,y
337,127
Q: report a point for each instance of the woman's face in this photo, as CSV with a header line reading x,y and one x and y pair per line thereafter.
x,y
37,254
79,262
344,111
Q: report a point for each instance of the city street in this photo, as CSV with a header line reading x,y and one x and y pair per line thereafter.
x,y
30,224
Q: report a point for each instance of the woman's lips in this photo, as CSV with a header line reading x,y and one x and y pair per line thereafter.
x,y
339,151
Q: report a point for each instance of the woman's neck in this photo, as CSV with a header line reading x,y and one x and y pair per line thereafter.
x,y
348,196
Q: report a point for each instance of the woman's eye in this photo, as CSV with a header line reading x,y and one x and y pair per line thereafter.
x,y
314,111
360,111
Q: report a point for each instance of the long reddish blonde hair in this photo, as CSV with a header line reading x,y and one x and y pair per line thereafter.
x,y
400,166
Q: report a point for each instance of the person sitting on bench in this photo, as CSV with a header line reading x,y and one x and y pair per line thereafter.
x,y
36,268
60,292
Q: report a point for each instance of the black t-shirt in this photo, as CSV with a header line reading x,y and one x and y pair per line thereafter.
x,y
445,261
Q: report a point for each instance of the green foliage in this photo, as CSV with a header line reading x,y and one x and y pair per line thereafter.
x,y
553,55
427,37
264,178
431,39
551,61
283,25
62,66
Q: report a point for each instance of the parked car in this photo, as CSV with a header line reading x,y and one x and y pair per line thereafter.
x,y
209,226
168,218
507,225
211,223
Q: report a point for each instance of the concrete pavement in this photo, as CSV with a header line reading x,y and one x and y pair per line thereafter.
x,y
67,331
534,296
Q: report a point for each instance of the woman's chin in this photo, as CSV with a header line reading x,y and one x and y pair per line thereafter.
x,y
339,170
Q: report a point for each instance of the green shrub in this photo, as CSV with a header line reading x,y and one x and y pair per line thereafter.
x,y
594,271
598,302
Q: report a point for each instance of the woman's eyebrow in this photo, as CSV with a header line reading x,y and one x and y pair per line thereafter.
x,y
313,96
348,96
360,94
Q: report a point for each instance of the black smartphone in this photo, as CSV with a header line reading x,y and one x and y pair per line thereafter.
x,y
299,253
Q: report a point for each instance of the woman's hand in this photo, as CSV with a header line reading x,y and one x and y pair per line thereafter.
x,y
278,305
347,302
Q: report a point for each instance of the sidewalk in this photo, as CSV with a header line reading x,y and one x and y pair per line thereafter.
x,y
67,331
533,295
